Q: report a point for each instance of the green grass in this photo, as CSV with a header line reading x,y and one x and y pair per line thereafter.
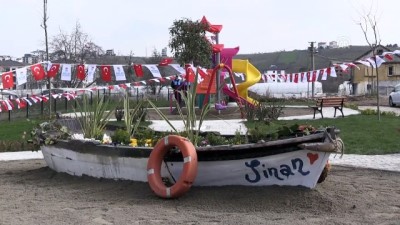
x,y
362,134
14,129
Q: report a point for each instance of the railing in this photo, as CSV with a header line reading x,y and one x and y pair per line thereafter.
x,y
63,105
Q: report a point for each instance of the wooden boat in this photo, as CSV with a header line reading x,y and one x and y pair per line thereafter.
x,y
295,161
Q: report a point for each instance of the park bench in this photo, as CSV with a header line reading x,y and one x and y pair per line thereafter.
x,y
335,102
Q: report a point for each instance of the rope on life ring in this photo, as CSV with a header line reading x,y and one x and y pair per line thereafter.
x,y
188,174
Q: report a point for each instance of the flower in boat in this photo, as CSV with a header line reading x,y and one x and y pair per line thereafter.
x,y
106,139
134,142
148,143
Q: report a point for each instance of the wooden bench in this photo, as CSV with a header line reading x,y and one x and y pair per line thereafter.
x,y
335,102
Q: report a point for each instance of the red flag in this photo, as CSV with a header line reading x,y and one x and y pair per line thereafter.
x,y
328,71
138,70
53,70
8,80
37,72
21,103
106,73
189,74
80,72
165,62
314,76
308,75
296,78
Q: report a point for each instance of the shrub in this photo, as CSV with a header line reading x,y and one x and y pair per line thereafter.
x,y
121,136
375,112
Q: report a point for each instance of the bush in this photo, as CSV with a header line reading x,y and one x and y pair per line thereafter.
x,y
263,111
375,112
121,136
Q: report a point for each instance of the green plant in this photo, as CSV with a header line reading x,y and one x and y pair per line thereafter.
x,y
189,43
93,117
133,117
375,112
216,139
48,133
191,125
121,136
262,111
351,106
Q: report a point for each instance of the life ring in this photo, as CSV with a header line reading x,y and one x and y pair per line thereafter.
x,y
188,174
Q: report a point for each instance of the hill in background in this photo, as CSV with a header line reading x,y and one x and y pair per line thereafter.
x,y
300,60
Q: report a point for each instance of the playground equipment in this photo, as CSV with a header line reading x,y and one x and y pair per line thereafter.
x,y
233,93
223,61
253,76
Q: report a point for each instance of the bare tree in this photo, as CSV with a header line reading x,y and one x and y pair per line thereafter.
x,y
369,27
74,47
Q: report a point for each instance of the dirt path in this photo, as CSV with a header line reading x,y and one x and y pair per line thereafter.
x,y
31,193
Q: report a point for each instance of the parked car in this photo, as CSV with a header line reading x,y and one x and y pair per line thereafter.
x,y
54,91
4,94
394,97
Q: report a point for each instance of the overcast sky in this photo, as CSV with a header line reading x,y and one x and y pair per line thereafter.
x,y
140,26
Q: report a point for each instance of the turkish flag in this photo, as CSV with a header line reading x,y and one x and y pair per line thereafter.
x,y
165,62
138,70
8,80
37,72
80,72
106,73
189,74
53,70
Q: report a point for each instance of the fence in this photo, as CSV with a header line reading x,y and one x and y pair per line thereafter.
x,y
63,105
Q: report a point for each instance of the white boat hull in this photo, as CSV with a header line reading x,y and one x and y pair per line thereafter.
x,y
297,168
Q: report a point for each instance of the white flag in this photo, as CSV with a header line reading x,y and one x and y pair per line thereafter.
x,y
91,69
178,68
365,63
154,70
379,61
49,65
66,72
333,72
21,76
119,72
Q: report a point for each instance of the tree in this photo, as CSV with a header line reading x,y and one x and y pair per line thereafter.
x,y
74,47
369,28
189,44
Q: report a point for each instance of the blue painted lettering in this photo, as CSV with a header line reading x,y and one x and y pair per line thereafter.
x,y
281,173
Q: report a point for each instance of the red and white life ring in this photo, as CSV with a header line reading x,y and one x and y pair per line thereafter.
x,y
188,174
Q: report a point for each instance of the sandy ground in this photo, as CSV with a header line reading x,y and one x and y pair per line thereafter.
x,y
31,193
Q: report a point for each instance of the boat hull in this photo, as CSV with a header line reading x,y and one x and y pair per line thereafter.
x,y
287,165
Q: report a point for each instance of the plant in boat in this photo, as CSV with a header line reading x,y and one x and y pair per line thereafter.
x,y
133,117
93,117
192,123
48,133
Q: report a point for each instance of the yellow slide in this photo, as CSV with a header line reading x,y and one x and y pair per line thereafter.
x,y
252,77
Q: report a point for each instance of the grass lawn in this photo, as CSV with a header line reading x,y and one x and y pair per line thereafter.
x,y
14,129
362,134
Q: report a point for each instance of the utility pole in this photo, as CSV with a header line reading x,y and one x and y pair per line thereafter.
x,y
44,26
313,66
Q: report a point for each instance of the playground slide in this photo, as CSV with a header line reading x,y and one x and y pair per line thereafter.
x,y
253,76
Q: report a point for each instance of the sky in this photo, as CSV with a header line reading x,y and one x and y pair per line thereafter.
x,y
256,26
